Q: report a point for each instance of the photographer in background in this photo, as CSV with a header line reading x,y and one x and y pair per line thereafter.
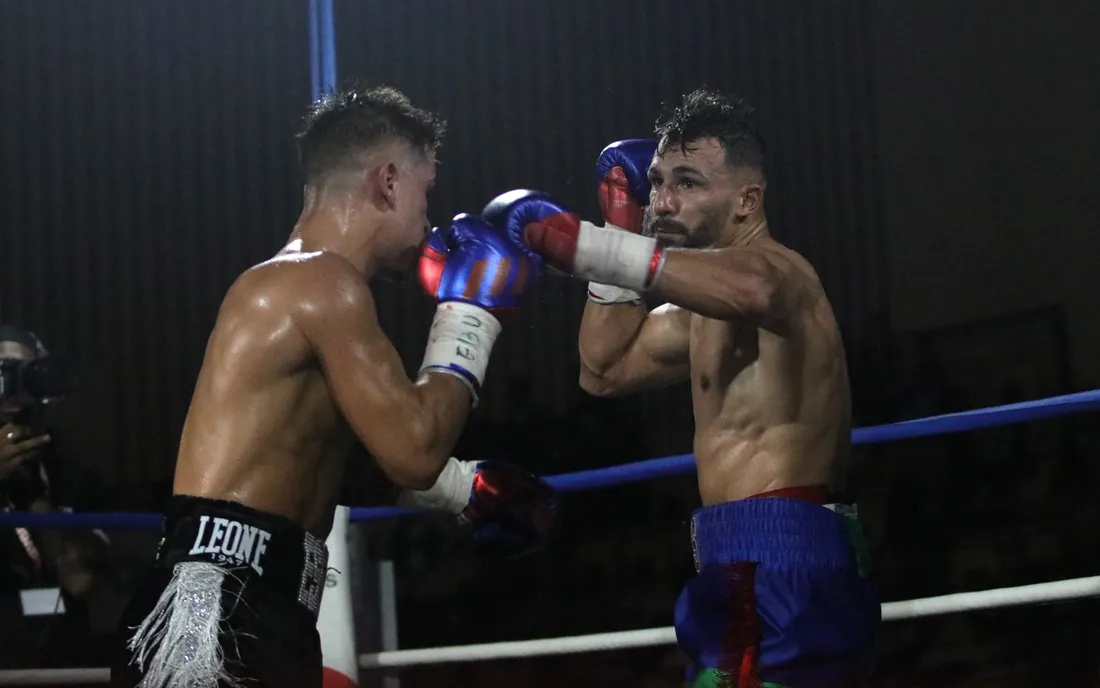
x,y
44,573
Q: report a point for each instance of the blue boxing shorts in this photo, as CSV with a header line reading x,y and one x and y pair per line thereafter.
x,y
783,597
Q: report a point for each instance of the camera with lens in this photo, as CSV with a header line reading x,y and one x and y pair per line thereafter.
x,y
30,380
30,385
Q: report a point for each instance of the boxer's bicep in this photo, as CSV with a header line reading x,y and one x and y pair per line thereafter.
x,y
656,357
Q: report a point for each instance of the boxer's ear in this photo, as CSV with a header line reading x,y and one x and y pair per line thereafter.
x,y
382,181
751,199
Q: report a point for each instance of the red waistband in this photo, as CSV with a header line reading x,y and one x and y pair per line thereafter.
x,y
817,494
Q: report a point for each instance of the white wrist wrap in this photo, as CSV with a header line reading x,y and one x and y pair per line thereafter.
x,y
450,493
612,256
460,342
609,294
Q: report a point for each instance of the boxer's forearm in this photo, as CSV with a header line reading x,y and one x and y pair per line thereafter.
x,y
447,403
433,429
606,333
720,284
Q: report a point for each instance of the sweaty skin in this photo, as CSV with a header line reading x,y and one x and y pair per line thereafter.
x,y
265,427
748,323
297,367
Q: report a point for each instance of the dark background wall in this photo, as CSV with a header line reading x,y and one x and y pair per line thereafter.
x,y
147,160
989,163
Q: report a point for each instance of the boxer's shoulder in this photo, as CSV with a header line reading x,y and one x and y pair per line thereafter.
x,y
318,282
788,261
794,280
300,266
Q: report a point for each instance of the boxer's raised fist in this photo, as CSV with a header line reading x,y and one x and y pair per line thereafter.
x,y
574,246
476,274
470,261
622,175
535,220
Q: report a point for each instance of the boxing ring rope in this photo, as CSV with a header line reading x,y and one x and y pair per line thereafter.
x,y
1040,593
639,471
647,637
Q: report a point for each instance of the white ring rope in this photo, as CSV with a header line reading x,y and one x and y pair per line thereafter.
x,y
891,611
1040,593
573,644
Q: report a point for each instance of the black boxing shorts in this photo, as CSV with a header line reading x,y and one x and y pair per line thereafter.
x,y
232,601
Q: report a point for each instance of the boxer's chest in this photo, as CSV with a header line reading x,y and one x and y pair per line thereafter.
x,y
723,360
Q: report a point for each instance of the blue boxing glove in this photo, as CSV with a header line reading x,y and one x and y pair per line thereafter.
x,y
476,275
622,176
471,262
575,246
514,212
511,511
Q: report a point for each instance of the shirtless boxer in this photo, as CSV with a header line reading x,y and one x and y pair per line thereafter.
x,y
296,370
782,596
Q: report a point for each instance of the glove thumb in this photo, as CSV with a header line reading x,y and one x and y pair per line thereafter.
x,y
466,228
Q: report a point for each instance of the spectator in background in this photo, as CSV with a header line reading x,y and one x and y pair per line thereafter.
x,y
44,573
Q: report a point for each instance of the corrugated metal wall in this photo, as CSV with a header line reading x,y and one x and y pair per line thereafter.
x,y
147,156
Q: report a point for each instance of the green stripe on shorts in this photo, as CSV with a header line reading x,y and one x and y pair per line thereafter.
x,y
712,678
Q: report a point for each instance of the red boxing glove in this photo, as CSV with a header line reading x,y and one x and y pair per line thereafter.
x,y
510,511
622,174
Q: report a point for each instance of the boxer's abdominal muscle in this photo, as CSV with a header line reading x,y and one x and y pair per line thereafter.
x,y
771,411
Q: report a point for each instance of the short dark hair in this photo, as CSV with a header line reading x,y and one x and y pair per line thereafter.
x,y
704,114
344,125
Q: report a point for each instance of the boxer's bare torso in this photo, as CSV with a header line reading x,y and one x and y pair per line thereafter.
x,y
268,428
262,429
771,400
772,406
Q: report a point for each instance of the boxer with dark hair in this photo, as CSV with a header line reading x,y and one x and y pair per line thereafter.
x,y
783,595
296,370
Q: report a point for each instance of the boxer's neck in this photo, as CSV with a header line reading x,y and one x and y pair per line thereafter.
x,y
751,230
337,224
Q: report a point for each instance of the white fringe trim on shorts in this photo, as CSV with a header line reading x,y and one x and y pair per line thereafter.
x,y
178,644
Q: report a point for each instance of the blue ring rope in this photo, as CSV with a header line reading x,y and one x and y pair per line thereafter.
x,y
682,464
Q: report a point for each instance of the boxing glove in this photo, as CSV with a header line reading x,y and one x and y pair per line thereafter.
x,y
574,246
623,182
476,275
510,511
622,175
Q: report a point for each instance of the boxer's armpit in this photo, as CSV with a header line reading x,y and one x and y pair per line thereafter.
x,y
409,428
